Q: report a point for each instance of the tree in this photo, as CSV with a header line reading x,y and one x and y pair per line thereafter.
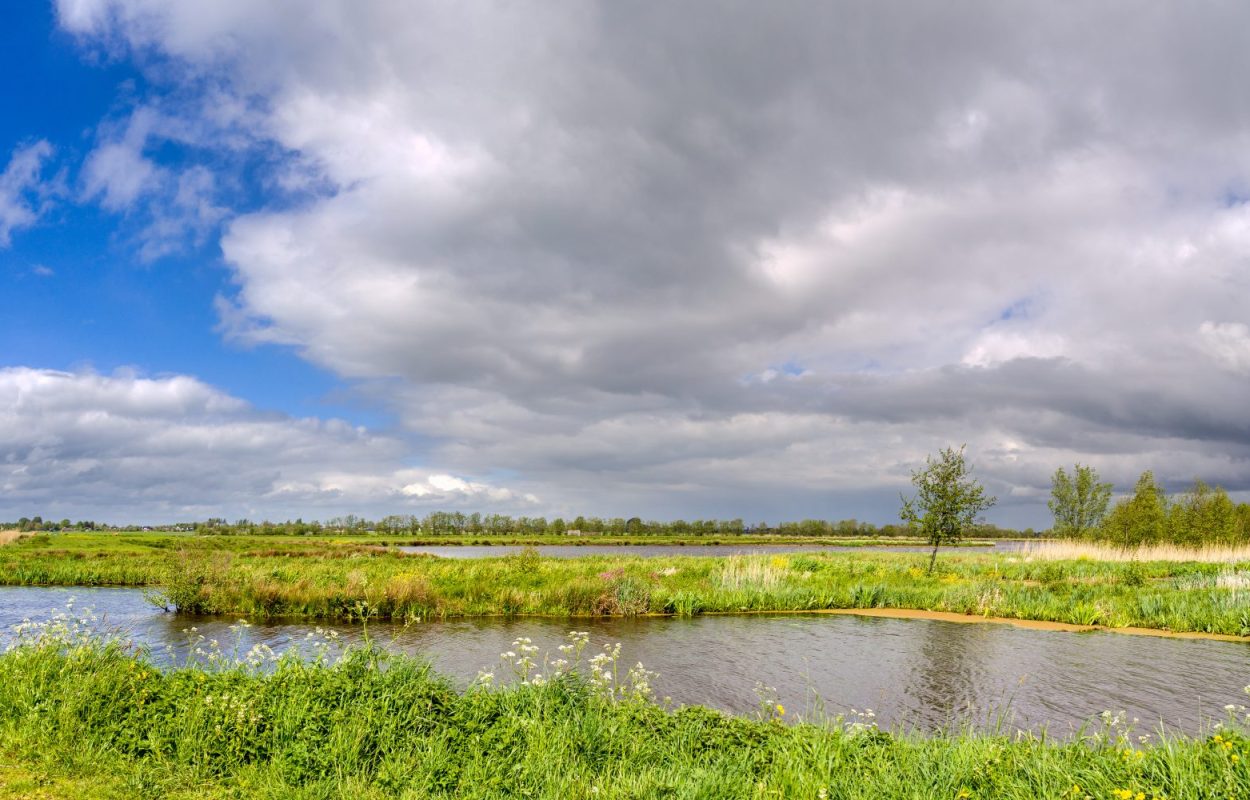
x,y
1203,515
1079,502
1140,519
948,500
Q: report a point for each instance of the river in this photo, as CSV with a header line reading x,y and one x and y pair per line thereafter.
x,y
921,674
654,550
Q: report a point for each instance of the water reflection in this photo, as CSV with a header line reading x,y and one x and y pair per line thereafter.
x,y
914,673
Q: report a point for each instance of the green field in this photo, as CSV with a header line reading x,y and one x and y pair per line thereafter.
x,y
81,717
267,577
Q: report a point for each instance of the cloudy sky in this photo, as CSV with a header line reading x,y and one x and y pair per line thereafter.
x,y
667,259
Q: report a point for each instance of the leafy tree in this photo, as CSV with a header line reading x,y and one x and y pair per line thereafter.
x,y
948,500
1203,515
1079,501
1140,519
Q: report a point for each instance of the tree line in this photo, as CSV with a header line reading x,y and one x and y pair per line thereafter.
x,y
1201,515
449,523
38,523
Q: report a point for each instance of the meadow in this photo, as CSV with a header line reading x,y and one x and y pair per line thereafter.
x,y
278,577
83,716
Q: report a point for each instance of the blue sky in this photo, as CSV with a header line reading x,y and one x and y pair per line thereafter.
x,y
273,259
102,306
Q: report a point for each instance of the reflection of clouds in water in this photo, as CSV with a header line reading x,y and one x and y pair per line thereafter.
x,y
919,674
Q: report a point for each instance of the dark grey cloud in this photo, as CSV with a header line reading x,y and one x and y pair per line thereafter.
x,y
660,256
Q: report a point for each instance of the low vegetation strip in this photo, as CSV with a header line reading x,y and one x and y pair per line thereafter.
x,y
85,717
1067,550
294,577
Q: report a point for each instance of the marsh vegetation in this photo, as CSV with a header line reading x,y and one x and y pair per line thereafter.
x,y
271,577
82,715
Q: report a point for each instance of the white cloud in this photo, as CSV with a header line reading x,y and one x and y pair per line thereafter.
x,y
171,206
560,237
118,174
1228,343
126,447
24,192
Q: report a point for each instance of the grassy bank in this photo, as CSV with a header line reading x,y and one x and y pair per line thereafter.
x,y
298,578
83,718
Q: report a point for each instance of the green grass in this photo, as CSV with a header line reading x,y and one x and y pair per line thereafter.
x,y
267,577
81,717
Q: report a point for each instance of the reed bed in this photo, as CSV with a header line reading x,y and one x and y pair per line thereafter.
x,y
7,537
753,572
1101,551
298,578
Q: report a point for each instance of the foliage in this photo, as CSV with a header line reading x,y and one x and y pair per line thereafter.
x,y
1201,516
92,718
1140,519
266,577
1079,501
948,500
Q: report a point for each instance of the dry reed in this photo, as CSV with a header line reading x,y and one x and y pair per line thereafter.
x,y
8,537
1101,551
762,572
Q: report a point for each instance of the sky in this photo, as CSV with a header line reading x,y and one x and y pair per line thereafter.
x,y
280,259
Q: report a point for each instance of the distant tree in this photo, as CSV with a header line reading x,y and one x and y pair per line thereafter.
x,y
1203,515
1140,519
1079,502
948,500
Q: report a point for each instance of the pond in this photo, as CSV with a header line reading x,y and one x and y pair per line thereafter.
x,y
922,674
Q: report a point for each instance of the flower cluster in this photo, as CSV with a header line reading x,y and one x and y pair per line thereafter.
x,y
770,707
319,646
857,722
69,629
601,670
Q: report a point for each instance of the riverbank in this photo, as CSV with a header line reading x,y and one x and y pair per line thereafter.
x,y
83,719
293,577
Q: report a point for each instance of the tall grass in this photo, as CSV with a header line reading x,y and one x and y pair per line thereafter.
x,y
7,537
753,572
1100,551
91,718
293,577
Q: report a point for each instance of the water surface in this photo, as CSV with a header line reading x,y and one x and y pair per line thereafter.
x,y
913,673
654,550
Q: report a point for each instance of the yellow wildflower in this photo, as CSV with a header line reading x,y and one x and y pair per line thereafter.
x,y
781,710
